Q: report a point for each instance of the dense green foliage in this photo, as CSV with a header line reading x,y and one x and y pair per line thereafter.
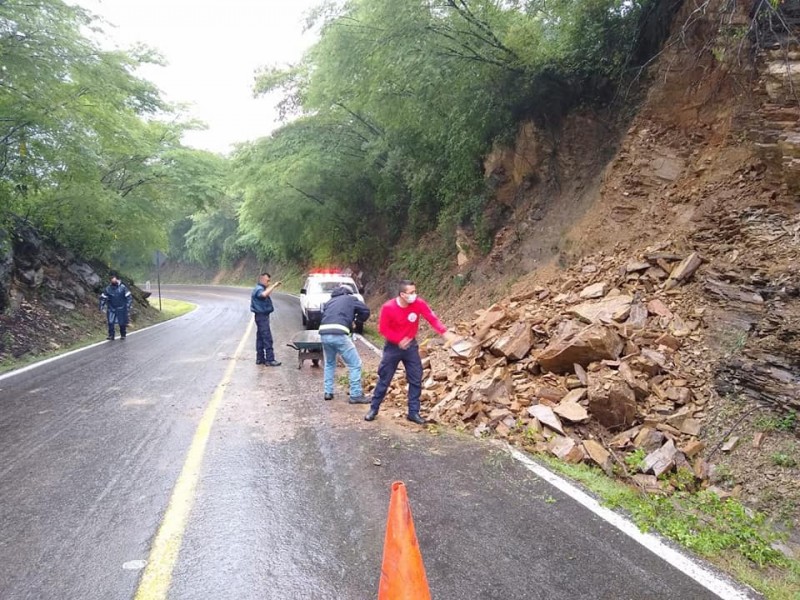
x,y
89,153
389,116
400,101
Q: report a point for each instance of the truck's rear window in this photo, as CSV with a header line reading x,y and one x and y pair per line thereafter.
x,y
328,286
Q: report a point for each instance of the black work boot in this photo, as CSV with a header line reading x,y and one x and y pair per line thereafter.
x,y
328,397
416,418
370,416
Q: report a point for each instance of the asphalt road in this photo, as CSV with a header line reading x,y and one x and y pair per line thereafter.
x,y
288,502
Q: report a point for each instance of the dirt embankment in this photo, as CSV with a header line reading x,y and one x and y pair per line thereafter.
x,y
708,167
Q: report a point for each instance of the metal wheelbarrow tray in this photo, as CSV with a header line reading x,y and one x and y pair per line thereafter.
x,y
309,347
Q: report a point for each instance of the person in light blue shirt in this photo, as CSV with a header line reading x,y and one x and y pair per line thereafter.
x,y
261,306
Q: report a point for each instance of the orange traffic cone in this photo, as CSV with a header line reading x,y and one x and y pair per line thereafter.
x,y
402,574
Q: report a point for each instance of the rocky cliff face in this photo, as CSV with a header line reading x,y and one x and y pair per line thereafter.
x,y
708,167
773,126
32,267
48,296
719,123
6,268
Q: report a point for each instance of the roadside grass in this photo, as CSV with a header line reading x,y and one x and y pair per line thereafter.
x,y
171,309
724,532
785,459
771,422
371,334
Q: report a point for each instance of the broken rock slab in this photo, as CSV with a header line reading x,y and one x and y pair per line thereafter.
x,y
657,307
465,348
662,460
729,291
546,416
590,344
690,426
603,311
683,271
647,482
596,290
580,372
575,395
637,318
566,449
488,319
729,445
693,448
613,407
624,439
637,265
599,455
515,343
571,411
639,386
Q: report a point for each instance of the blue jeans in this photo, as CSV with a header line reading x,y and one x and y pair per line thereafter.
x,y
393,355
333,344
264,351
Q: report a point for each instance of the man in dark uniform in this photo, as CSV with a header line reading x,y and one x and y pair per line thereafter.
x,y
261,306
116,300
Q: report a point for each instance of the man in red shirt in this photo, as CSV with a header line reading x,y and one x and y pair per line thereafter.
x,y
399,323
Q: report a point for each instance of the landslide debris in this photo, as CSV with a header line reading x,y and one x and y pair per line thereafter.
x,y
625,360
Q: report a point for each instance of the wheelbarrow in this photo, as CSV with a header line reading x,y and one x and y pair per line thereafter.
x,y
309,347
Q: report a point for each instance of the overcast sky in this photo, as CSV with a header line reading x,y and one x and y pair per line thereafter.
x,y
213,50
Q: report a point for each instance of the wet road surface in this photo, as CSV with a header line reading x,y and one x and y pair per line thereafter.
x,y
289,499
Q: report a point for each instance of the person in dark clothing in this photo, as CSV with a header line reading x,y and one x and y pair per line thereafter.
x,y
338,317
116,300
261,306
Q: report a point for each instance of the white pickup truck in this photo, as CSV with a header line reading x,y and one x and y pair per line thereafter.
x,y
316,291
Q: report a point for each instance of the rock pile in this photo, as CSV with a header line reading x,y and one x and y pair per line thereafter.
x,y
605,364
623,361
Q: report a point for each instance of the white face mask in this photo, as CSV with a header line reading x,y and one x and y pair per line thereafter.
x,y
410,298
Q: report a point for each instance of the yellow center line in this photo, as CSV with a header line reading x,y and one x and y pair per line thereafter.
x,y
157,576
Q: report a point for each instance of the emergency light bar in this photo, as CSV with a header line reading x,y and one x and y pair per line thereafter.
x,y
326,272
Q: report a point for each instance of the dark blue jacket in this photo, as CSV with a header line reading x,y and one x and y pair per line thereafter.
x,y
116,300
340,311
116,296
258,304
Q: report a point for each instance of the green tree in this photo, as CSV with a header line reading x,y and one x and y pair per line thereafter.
x,y
401,102
87,148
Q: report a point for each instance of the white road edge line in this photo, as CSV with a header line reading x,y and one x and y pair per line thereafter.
x,y
41,363
687,565
367,343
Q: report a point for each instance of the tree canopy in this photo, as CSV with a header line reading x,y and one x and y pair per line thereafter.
x,y
388,118
89,152
398,103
